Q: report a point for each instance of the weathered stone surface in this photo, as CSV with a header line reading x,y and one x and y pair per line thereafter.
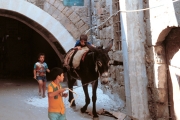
x,y
64,10
159,52
109,32
82,12
46,6
84,28
60,17
74,17
112,70
61,7
160,76
161,95
79,24
51,1
56,13
76,34
110,53
51,10
119,75
69,12
57,3
118,56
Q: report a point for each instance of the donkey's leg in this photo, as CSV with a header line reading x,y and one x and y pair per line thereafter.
x,y
71,82
84,108
94,98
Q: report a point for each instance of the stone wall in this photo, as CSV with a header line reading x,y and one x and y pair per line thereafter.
x,y
74,19
104,31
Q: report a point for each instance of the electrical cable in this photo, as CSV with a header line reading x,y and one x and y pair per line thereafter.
x,y
126,11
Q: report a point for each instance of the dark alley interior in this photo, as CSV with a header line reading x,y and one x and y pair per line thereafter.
x,y
19,48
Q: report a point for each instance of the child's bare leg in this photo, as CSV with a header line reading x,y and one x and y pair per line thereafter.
x,y
44,89
40,85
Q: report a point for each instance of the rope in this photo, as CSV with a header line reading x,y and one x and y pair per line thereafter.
x,y
73,98
126,11
75,92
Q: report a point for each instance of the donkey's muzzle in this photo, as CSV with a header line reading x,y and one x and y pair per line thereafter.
x,y
105,78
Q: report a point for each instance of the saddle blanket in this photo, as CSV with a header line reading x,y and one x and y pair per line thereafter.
x,y
78,56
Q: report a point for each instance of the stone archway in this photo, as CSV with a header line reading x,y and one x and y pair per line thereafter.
x,y
48,27
172,46
166,82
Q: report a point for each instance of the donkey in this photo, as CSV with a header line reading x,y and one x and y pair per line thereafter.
x,y
95,64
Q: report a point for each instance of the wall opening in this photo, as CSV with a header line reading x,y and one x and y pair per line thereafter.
x,y
19,49
172,46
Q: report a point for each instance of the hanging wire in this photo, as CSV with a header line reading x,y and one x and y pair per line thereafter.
x,y
126,11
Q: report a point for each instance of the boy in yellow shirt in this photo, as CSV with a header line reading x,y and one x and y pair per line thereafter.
x,y
56,108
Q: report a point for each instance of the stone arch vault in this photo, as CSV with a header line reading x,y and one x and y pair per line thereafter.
x,y
40,21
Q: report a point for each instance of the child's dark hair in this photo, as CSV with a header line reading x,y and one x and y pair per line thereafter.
x,y
55,72
41,54
83,37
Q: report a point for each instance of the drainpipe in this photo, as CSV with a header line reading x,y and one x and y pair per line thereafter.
x,y
90,11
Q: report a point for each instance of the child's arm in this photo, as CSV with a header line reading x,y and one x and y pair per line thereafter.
x,y
34,71
52,94
48,70
77,47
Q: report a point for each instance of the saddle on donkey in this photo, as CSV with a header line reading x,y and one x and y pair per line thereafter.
x,y
73,58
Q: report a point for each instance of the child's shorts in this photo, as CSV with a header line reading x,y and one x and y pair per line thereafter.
x,y
43,78
56,116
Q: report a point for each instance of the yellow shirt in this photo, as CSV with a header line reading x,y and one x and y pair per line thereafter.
x,y
55,103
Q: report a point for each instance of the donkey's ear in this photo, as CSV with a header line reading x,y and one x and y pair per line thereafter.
x,y
108,48
91,47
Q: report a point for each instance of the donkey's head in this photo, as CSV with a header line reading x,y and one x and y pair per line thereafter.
x,y
102,61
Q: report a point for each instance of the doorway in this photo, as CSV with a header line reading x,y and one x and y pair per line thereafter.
x,y
19,47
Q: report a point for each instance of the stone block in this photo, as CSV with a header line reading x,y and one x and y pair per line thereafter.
x,y
118,56
149,54
61,7
76,33
56,13
109,32
160,74
120,75
66,22
162,111
82,12
69,12
79,24
84,28
159,56
60,17
105,43
51,10
57,3
110,53
112,70
86,19
46,6
74,18
65,10
51,1
162,95
104,33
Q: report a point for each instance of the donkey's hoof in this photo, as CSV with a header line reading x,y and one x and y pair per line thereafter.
x,y
95,118
83,110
